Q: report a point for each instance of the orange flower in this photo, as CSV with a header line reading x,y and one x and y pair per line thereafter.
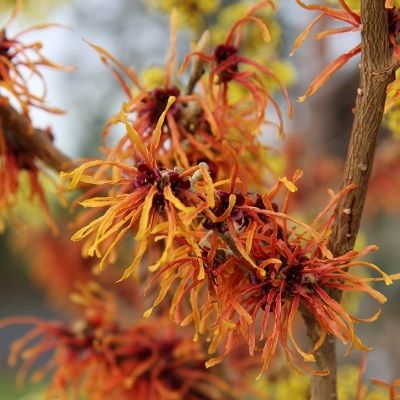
x,y
260,265
21,62
96,356
226,64
353,19
153,201
194,130
145,108
346,15
14,160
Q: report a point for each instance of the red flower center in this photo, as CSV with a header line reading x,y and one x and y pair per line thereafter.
x,y
225,53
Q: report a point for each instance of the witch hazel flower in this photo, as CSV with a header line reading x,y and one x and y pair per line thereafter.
x,y
228,65
194,129
145,106
263,268
352,20
118,360
23,175
146,199
22,62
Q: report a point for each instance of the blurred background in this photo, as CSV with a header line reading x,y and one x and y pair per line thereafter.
x,y
137,32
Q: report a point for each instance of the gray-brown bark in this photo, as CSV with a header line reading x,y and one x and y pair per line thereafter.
x,y
376,72
22,137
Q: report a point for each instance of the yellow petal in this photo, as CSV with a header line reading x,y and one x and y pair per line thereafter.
x,y
135,138
78,172
136,261
101,201
175,201
389,3
144,218
210,186
157,131
288,184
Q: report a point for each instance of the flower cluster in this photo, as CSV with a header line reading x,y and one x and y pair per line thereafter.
x,y
20,64
229,66
231,257
228,257
156,202
188,201
97,356
262,268
204,125
191,13
352,19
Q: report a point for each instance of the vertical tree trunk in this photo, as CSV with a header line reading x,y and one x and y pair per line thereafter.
x,y
376,72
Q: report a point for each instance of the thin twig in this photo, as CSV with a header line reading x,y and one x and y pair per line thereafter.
x,y
21,136
197,70
245,265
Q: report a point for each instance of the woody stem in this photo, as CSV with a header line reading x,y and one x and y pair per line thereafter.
x,y
19,134
376,72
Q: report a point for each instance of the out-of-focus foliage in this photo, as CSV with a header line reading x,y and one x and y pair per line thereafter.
x,y
191,13
392,121
27,214
355,4
392,108
283,385
286,384
353,386
32,8
324,172
153,77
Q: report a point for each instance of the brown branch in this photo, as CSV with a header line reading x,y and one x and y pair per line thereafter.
x,y
22,137
198,64
376,72
245,265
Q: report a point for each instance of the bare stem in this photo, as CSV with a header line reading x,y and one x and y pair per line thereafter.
x,y
21,136
198,64
376,72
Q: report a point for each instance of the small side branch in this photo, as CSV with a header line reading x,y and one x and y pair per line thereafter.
x,y
22,137
198,64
